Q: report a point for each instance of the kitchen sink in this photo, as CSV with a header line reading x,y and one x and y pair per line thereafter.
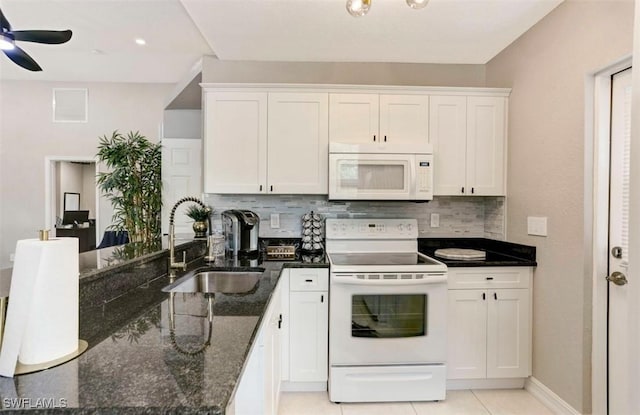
x,y
216,281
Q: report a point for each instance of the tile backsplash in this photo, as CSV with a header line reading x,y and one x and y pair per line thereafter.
x,y
460,216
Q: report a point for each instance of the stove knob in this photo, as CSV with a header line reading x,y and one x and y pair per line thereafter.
x,y
400,228
409,227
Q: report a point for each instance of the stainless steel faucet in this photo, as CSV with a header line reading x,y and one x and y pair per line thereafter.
x,y
172,233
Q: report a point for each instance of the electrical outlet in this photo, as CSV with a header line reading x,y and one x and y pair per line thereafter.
x,y
275,220
435,220
537,225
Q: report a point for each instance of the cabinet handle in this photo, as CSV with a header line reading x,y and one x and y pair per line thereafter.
x,y
308,280
489,278
472,190
462,191
260,187
484,296
271,189
385,138
322,298
280,321
495,296
374,137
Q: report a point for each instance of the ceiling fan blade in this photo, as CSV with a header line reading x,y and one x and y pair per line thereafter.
x,y
51,37
4,23
20,57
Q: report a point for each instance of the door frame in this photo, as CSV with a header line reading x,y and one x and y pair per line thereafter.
x,y
50,185
596,224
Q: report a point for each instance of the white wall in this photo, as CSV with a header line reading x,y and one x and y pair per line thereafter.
x,y
27,135
547,68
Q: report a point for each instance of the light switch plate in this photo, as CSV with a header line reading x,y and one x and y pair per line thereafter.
x,y
275,220
435,220
537,225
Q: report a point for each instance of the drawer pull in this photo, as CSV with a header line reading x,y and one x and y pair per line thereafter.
x,y
308,280
489,278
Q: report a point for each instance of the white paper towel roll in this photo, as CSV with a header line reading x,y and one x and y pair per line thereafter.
x,y
43,314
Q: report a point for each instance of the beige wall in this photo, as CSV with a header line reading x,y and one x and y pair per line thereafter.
x,y
214,70
27,135
547,68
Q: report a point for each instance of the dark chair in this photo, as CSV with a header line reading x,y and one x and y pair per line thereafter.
x,y
113,238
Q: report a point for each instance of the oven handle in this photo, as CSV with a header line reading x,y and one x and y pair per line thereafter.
x,y
353,280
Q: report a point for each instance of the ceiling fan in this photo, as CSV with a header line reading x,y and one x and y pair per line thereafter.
x,y
8,38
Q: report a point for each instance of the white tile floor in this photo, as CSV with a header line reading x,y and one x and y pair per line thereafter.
x,y
463,402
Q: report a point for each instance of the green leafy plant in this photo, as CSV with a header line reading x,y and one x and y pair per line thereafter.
x,y
133,184
198,213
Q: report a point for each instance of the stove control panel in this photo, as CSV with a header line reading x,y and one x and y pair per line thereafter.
x,y
371,228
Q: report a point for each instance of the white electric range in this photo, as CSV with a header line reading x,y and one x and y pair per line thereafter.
x,y
387,313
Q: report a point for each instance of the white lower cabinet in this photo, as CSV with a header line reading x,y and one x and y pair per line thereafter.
x,y
259,389
308,325
292,344
489,326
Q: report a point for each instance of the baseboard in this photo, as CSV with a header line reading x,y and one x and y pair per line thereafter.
x,y
507,383
545,395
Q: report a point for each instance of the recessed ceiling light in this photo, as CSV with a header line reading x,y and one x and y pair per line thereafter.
x,y
140,41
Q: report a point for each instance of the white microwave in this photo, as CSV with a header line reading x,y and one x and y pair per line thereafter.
x,y
365,172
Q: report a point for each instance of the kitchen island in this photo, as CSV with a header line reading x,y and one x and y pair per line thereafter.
x,y
133,364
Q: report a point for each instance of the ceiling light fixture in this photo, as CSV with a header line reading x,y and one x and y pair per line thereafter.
x,y
357,8
6,41
140,41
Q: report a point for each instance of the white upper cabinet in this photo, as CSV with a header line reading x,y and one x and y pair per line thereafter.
x,y
386,120
298,143
468,136
235,144
259,142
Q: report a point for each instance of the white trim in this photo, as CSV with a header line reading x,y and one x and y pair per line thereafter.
x,y
408,90
49,185
503,383
548,398
596,217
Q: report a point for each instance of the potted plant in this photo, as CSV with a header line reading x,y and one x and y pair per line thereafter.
x,y
133,184
200,217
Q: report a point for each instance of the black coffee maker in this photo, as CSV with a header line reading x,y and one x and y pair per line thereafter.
x,y
241,228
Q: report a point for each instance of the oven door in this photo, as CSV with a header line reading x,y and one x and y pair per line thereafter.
x,y
387,321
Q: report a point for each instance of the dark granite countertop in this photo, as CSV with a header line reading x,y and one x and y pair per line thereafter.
x,y
498,253
132,365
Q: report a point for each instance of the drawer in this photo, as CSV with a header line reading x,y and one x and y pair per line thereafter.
x,y
308,279
489,277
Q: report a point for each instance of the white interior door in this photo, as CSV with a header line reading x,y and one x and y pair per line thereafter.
x,y
181,176
618,348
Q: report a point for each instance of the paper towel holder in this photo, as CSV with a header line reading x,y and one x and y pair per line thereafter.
x,y
23,369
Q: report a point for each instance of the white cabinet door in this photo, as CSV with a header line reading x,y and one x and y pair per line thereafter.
x,y
448,135
353,118
235,142
468,137
298,143
309,330
467,334
272,353
486,129
404,119
181,176
508,334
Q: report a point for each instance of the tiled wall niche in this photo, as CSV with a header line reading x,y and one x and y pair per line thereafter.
x,y
459,216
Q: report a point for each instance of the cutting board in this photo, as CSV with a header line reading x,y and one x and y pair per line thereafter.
x,y
460,253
